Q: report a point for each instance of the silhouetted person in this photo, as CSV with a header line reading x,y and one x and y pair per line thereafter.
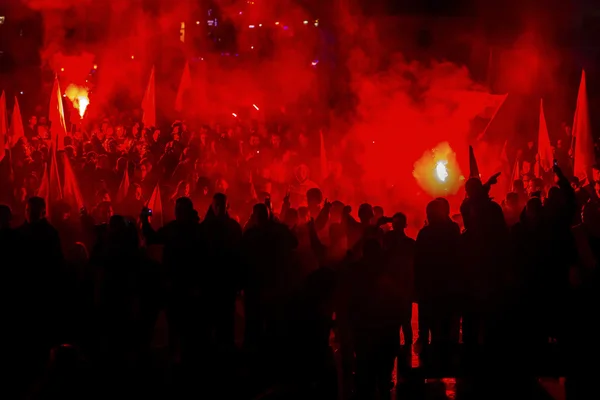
x,y
436,271
267,247
373,328
222,272
39,278
582,320
182,245
399,267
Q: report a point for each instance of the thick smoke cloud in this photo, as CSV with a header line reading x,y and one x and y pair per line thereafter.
x,y
405,108
402,108
148,31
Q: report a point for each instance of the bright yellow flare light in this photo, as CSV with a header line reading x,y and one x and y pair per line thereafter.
x,y
79,97
437,172
441,171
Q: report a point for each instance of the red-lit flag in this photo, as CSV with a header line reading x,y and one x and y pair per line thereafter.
x,y
16,124
545,155
71,193
56,115
582,133
155,204
50,189
124,186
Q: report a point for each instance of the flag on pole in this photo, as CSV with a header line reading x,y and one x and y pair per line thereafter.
x,y
149,103
492,104
16,124
56,115
50,189
184,86
123,186
3,126
72,194
582,134
545,155
473,168
155,204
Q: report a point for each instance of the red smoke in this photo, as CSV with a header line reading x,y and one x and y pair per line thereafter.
x,y
404,108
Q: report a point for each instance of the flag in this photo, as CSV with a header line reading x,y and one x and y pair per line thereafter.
x,y
56,115
155,204
545,156
473,168
184,86
3,126
50,188
149,103
582,133
72,194
491,105
123,186
16,124
323,158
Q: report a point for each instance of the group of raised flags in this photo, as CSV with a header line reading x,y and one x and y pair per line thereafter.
x,y
149,100
582,145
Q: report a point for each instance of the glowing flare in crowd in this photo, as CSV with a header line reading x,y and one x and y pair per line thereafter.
x,y
441,171
234,115
255,107
79,97
437,172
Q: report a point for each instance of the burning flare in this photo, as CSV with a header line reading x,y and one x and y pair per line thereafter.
x,y
441,171
79,97
437,172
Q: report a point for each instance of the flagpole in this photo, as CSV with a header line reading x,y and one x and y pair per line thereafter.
x,y
482,134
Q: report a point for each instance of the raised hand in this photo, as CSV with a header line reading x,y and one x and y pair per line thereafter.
x,y
494,178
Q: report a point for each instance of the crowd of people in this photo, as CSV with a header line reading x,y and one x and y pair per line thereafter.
x,y
245,223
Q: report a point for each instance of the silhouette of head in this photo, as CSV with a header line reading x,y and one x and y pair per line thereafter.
x,y
435,211
184,208
116,225
261,213
474,188
445,205
219,204
534,209
36,209
399,222
365,213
